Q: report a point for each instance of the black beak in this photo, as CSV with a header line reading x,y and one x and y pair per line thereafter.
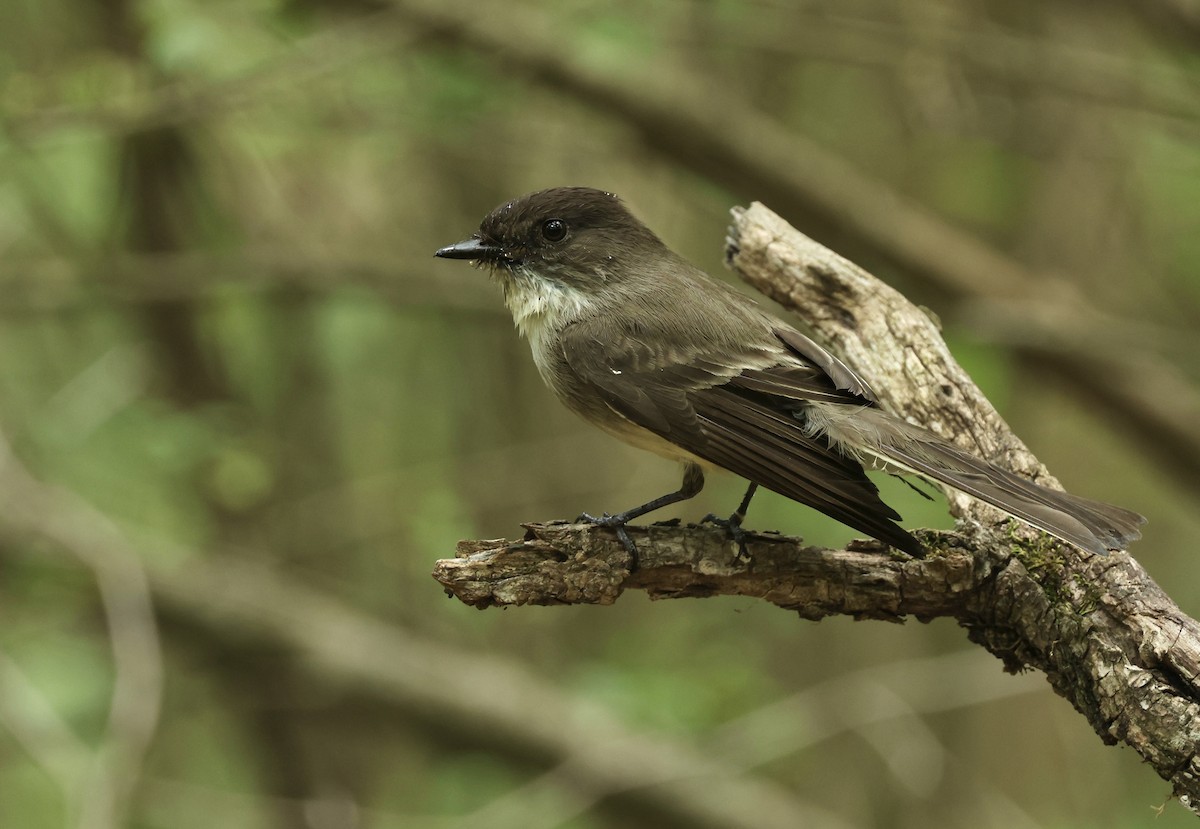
x,y
471,248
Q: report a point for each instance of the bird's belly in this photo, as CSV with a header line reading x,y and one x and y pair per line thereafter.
x,y
641,438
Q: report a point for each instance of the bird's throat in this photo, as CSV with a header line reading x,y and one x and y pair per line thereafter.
x,y
539,304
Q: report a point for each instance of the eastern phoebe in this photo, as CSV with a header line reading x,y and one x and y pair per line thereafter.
x,y
650,349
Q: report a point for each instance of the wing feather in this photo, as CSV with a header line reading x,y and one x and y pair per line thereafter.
x,y
745,437
744,412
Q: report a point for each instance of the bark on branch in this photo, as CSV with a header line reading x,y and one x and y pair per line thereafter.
x,y
1107,637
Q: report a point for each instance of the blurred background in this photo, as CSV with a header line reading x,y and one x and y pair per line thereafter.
x,y
244,409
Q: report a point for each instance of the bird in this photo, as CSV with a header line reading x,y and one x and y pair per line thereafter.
x,y
639,342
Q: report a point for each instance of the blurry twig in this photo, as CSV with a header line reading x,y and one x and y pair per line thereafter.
x,y
178,102
1023,60
31,719
31,507
1149,398
571,789
899,694
486,697
854,701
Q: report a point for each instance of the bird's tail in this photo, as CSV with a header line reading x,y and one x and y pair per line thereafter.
x,y
893,444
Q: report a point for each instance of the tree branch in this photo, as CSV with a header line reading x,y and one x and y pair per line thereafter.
x,y
99,796
1107,637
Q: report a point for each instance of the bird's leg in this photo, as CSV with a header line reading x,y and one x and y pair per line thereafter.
x,y
693,482
733,524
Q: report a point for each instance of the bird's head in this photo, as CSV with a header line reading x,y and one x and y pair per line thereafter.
x,y
578,237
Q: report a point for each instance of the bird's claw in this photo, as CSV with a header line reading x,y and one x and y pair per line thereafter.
x,y
603,520
733,526
617,523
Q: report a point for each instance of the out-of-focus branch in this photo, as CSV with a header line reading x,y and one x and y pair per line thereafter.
x,y
1106,636
290,69
860,701
30,507
991,54
1143,396
1079,74
489,699
31,719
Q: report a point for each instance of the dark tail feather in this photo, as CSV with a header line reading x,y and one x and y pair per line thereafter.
x,y
1092,525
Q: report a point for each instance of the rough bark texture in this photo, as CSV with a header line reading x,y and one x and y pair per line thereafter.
x,y
1107,637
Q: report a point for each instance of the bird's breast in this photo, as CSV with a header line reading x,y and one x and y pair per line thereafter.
x,y
540,307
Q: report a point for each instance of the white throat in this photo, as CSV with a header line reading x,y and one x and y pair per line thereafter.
x,y
540,306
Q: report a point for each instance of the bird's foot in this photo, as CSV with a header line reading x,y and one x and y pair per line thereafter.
x,y
617,523
733,526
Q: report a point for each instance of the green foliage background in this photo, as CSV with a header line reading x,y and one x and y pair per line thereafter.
x,y
222,327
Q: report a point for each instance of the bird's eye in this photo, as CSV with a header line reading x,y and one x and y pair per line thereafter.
x,y
555,230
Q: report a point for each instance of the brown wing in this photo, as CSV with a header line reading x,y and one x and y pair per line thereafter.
x,y
743,410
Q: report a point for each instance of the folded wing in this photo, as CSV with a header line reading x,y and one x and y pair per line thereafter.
x,y
748,421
